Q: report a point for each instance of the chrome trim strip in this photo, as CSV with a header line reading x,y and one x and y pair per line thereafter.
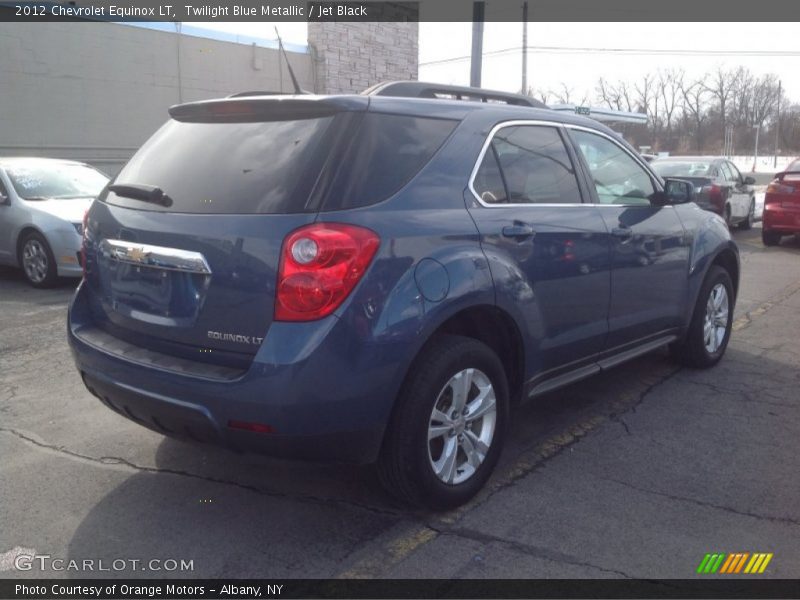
x,y
559,381
626,355
486,144
557,125
145,255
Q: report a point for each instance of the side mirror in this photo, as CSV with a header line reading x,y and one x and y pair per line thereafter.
x,y
4,199
676,191
749,180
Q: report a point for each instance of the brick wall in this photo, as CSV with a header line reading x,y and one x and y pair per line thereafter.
x,y
353,56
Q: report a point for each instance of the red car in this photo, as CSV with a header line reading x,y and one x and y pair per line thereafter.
x,y
782,206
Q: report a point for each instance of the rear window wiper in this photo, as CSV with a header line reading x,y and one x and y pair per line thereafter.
x,y
140,191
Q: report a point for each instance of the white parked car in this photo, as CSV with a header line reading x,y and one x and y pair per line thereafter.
x,y
42,203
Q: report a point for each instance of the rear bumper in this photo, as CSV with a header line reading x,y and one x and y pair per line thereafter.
x,y
307,396
194,422
784,220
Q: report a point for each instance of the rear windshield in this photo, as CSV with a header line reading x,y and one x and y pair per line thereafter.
x,y
685,168
273,167
256,167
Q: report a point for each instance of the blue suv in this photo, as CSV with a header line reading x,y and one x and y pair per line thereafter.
x,y
381,277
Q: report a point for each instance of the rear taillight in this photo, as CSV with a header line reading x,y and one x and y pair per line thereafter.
x,y
779,187
714,195
320,265
83,243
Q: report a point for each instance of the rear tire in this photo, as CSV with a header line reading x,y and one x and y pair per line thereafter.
x,y
770,238
747,224
37,261
430,425
710,328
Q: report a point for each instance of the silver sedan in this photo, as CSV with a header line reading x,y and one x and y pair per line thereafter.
x,y
42,203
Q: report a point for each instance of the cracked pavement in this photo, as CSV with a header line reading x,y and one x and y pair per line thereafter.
x,y
637,472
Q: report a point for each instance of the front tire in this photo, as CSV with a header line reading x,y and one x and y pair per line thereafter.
x,y
727,216
710,328
747,224
37,261
449,425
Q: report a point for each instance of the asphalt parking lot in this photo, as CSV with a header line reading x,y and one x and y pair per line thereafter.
x,y
638,472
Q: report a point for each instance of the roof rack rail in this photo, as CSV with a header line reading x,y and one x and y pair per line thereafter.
x,y
421,89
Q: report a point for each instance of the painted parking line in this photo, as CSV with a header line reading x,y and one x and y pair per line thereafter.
x,y
417,535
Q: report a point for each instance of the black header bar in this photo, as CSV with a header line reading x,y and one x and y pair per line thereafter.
x,y
710,11
186,589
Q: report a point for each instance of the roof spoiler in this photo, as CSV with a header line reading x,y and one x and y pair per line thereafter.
x,y
421,89
245,109
782,174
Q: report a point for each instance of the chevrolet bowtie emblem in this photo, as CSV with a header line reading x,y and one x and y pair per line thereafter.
x,y
137,254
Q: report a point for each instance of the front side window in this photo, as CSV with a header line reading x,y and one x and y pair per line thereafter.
x,y
726,172
735,175
618,178
527,164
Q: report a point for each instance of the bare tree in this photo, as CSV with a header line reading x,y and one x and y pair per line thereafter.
x,y
694,103
721,85
616,96
563,95
697,112
764,98
647,103
541,95
670,84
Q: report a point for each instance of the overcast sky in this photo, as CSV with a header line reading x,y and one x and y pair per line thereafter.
x,y
577,54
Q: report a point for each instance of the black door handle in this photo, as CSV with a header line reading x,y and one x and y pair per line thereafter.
x,y
518,231
622,232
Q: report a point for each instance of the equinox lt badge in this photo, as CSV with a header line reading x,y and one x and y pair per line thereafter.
x,y
235,337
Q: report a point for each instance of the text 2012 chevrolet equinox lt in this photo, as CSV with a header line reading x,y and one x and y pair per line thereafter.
x,y
381,277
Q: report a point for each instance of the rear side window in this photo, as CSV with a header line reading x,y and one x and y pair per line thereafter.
x,y
386,153
527,164
254,167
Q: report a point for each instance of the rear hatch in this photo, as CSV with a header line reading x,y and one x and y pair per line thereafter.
x,y
183,248
708,193
783,192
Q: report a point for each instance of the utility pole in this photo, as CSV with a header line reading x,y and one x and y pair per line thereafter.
x,y
477,44
777,126
755,158
525,47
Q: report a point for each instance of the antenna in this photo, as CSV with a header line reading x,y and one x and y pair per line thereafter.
x,y
297,88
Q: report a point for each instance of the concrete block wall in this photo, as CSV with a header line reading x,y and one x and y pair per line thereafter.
x,y
96,91
350,57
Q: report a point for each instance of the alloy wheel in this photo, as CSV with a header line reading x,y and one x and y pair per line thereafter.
x,y
462,426
715,325
34,260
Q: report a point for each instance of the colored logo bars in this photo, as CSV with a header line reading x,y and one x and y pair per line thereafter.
x,y
739,562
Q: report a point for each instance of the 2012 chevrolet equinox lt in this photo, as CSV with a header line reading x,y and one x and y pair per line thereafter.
x,y
380,277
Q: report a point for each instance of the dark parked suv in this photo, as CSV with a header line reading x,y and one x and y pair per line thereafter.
x,y
381,277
